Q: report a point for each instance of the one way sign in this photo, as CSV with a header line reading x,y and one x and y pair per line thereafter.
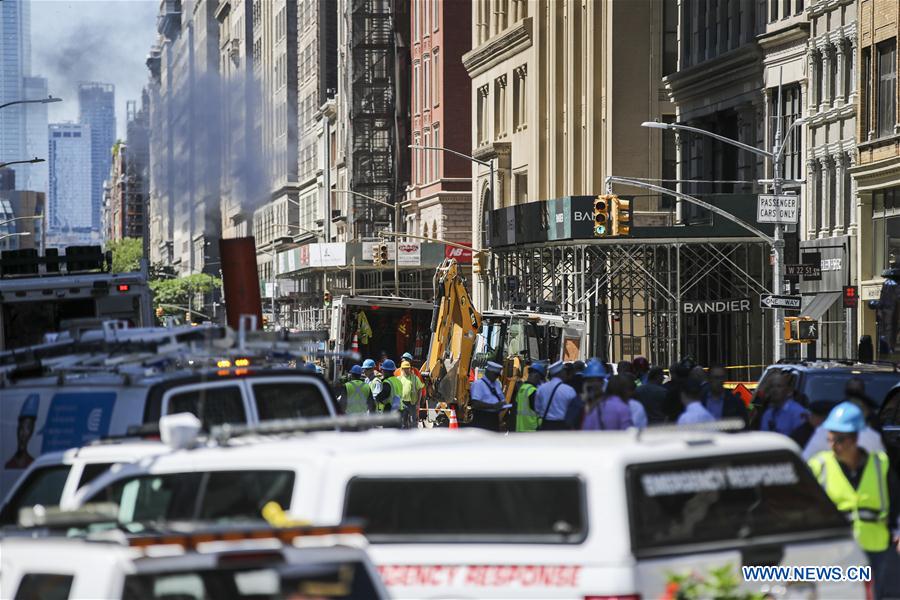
x,y
786,302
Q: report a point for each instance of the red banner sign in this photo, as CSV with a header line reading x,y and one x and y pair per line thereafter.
x,y
462,255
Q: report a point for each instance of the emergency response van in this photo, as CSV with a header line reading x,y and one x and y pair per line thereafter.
x,y
472,514
68,393
251,562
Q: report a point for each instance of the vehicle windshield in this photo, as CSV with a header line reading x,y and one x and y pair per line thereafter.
x,y
684,506
488,343
337,579
212,496
44,486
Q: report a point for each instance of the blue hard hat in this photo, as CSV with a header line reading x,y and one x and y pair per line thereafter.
x,y
388,366
539,367
356,370
557,367
846,417
493,367
368,364
407,356
594,370
30,406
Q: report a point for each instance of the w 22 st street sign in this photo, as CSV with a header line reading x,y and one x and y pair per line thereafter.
x,y
786,302
781,209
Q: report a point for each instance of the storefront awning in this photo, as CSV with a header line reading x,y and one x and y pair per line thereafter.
x,y
818,305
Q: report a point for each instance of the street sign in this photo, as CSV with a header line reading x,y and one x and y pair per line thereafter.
x,y
781,209
808,330
814,259
786,302
851,296
802,270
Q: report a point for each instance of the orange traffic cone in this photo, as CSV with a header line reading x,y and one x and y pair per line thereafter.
x,y
354,344
454,424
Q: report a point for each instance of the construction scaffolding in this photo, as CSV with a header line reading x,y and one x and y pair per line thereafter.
x,y
373,136
632,294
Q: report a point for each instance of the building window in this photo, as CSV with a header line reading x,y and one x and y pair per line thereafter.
x,y
833,71
887,87
521,182
669,163
773,11
848,191
482,125
428,154
785,9
701,30
791,103
417,158
415,19
798,7
670,37
866,100
415,94
520,95
436,155
435,13
426,18
436,67
500,107
820,77
847,74
886,221
426,79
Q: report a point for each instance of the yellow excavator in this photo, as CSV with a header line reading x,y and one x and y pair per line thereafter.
x,y
463,340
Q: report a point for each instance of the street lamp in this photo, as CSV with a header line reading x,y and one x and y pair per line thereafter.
x,y
46,100
396,207
490,165
23,162
9,235
776,156
21,218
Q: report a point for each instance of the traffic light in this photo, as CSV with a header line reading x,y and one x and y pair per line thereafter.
x,y
382,253
851,297
621,216
800,330
601,215
376,255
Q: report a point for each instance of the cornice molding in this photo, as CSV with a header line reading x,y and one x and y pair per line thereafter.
x,y
509,43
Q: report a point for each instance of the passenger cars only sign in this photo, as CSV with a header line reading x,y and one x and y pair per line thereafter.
x,y
777,209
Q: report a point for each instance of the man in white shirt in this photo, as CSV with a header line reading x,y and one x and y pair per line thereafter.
x,y
694,411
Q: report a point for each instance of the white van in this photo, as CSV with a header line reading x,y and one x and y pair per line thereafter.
x,y
471,514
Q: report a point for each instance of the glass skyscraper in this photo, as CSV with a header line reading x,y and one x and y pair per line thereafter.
x,y
97,110
15,65
70,197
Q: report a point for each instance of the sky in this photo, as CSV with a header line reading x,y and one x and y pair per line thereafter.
x,y
92,40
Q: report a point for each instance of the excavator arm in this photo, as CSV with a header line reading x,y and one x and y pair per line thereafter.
x,y
454,327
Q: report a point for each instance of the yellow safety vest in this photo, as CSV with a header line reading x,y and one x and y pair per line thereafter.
x,y
396,391
411,388
526,418
867,506
356,396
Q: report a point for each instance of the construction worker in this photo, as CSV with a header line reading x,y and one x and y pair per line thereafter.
x,y
409,358
410,394
388,398
864,489
358,399
526,417
371,376
486,398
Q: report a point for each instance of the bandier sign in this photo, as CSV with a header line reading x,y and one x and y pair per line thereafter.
x,y
701,307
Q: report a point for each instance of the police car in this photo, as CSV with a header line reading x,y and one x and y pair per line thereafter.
x,y
53,478
65,394
475,515
197,561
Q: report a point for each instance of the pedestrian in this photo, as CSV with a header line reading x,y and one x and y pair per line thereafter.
x,y
855,391
577,382
372,377
640,366
359,395
526,417
411,391
638,414
486,398
692,399
784,414
864,488
720,402
652,395
608,409
391,389
699,373
554,399
678,373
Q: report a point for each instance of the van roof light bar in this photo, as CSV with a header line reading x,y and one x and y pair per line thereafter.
x,y
223,433
54,518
